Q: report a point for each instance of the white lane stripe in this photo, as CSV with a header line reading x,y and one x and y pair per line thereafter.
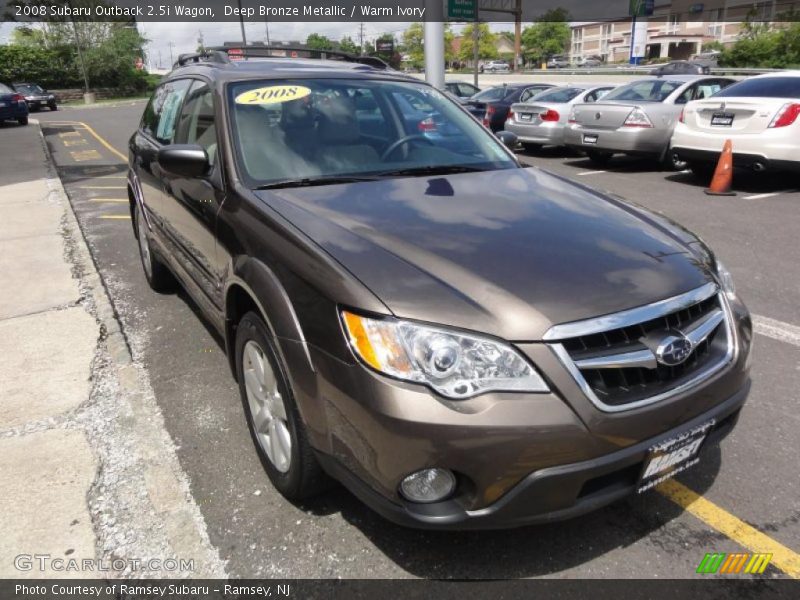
x,y
777,330
590,173
760,196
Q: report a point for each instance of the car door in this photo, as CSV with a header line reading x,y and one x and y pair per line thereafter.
x,y
156,129
191,204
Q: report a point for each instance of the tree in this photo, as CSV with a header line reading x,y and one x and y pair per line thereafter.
x,y
414,47
346,44
487,48
319,42
759,47
548,36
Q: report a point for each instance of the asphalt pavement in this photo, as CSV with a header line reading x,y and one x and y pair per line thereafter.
x,y
750,484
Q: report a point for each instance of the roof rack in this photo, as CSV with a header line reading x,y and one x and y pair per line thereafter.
x,y
209,55
268,52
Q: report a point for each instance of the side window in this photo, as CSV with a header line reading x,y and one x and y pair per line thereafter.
x,y
528,94
688,94
196,123
707,89
173,94
153,111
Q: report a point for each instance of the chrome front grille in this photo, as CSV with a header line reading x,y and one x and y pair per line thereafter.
x,y
650,353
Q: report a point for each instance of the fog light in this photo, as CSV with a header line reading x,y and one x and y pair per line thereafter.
x,y
428,485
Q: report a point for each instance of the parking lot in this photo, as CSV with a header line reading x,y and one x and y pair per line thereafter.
x,y
749,491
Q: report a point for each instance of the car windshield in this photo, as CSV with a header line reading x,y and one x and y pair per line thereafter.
x,y
558,95
4,89
28,89
314,130
763,87
494,94
650,90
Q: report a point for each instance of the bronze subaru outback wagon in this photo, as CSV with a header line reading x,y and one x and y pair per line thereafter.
x,y
461,341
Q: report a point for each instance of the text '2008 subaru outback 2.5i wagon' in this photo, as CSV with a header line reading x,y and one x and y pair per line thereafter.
x,y
461,341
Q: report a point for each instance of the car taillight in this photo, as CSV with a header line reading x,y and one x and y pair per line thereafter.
x,y
637,118
427,125
573,117
549,115
786,115
17,98
682,117
487,118
510,116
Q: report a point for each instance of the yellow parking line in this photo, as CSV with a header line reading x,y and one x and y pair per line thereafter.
x,y
786,559
121,217
121,201
108,146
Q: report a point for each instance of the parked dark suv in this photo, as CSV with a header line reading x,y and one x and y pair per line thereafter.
x,y
461,341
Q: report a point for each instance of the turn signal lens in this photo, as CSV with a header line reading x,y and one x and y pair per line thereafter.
x,y
455,365
637,118
786,115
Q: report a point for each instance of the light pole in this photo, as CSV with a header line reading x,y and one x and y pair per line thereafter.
x,y
434,43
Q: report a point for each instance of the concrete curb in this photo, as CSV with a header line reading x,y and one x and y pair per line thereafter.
x,y
163,481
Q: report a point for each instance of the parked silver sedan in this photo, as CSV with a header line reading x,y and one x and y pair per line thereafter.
x,y
541,121
638,118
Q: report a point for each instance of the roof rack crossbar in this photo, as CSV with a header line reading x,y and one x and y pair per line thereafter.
x,y
268,52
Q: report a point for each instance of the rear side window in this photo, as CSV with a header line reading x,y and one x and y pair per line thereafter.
x,y
595,95
4,89
766,87
161,112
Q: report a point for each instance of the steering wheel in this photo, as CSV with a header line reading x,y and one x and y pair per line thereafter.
x,y
404,140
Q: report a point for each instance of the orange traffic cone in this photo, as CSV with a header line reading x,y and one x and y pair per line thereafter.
x,y
723,174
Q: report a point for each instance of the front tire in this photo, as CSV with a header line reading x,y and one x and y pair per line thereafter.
x,y
53,106
272,416
158,276
22,120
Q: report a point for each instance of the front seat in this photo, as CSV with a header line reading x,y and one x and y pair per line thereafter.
x,y
340,147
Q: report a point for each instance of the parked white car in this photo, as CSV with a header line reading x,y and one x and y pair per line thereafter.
x,y
761,117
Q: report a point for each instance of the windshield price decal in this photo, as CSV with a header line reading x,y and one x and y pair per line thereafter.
x,y
273,94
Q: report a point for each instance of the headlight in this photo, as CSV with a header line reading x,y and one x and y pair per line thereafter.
x,y
726,280
455,365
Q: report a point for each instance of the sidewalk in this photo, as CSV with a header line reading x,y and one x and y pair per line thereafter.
x,y
87,467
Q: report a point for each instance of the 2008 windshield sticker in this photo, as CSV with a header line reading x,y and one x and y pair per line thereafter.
x,y
273,94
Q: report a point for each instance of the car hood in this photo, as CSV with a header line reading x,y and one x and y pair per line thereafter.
x,y
509,252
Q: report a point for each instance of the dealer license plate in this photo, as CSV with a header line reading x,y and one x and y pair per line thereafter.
x,y
672,456
722,119
524,116
589,138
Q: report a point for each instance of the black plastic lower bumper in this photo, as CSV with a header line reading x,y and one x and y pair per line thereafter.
x,y
551,494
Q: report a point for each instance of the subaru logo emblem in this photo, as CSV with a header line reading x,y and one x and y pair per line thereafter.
x,y
673,349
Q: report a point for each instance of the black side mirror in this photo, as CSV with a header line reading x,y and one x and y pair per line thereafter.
x,y
509,139
185,160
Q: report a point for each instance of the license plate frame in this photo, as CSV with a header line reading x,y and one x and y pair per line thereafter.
x,y
525,117
590,138
722,119
673,455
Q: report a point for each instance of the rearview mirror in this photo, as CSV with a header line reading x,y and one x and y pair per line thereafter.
x,y
185,160
508,138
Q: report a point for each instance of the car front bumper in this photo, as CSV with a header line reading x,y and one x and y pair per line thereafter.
x,y
627,140
518,458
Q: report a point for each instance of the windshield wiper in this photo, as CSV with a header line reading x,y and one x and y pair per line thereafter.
x,y
312,181
433,170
